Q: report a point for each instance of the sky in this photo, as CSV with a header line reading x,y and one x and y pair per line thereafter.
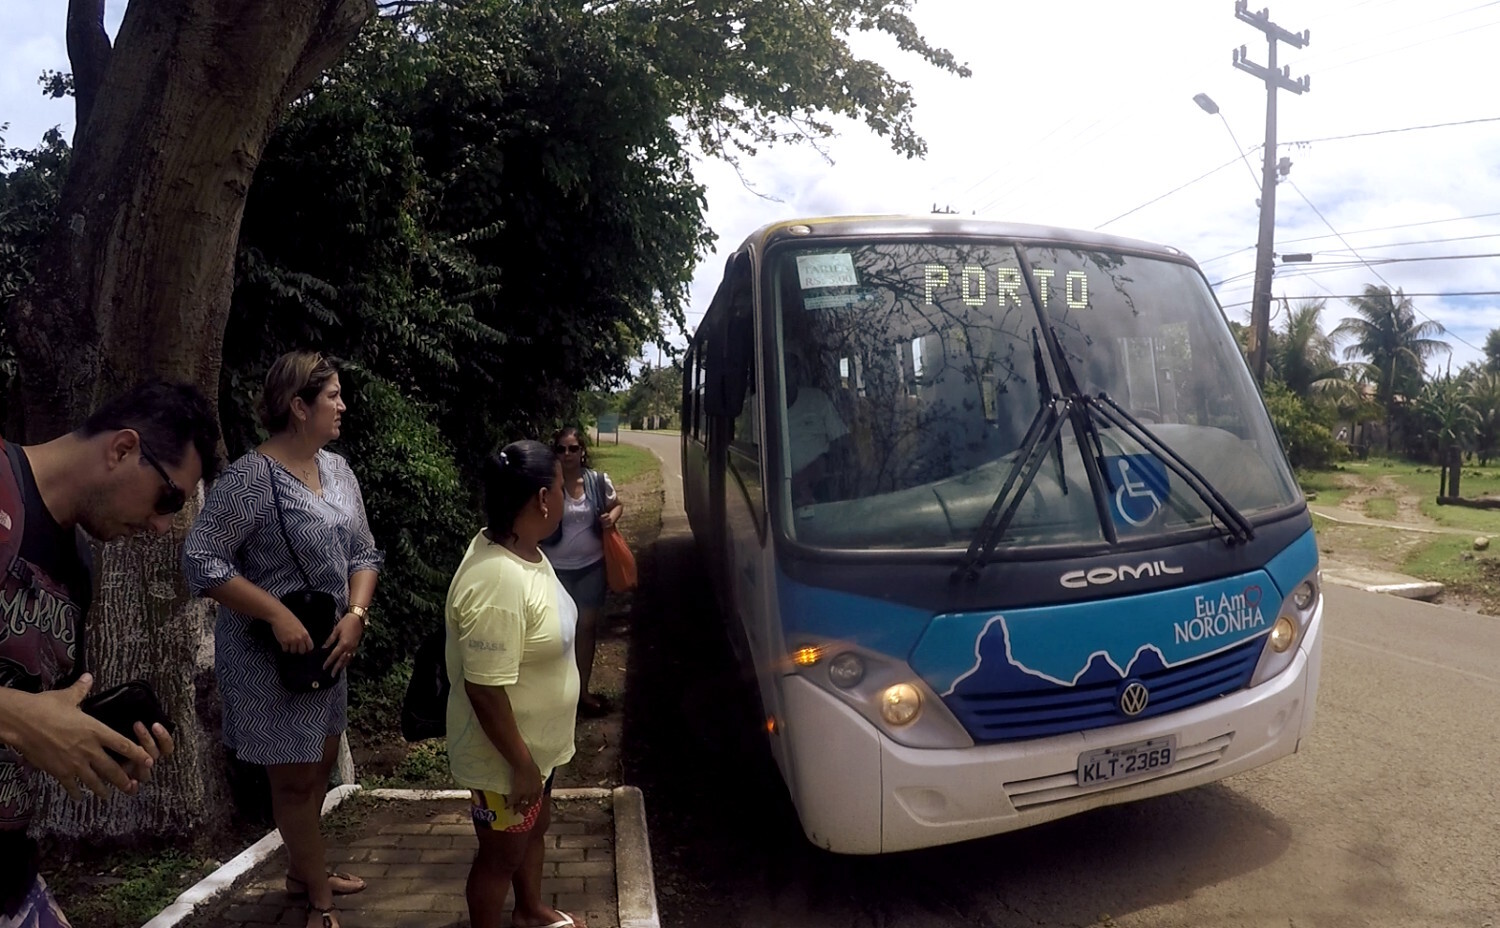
x,y
1080,114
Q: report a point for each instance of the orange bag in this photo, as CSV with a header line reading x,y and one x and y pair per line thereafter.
x,y
619,563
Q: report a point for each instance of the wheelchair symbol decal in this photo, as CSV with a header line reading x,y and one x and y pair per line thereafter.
x,y
1140,487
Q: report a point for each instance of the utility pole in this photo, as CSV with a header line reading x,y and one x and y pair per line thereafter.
x,y
1260,308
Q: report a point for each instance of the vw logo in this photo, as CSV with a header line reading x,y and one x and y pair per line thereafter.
x,y
1134,697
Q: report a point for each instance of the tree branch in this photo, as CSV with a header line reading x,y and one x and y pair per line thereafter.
x,y
89,52
340,22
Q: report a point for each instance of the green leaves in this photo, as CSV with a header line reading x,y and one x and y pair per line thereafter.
x,y
753,72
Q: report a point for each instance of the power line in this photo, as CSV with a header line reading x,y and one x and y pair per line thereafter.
x,y
1321,54
1356,254
1423,241
1168,193
1330,138
1314,238
1392,51
1361,135
1357,296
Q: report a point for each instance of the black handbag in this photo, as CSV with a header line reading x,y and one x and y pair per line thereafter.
x,y
316,610
120,707
424,710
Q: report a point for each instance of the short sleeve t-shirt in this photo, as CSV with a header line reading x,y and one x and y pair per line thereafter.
x,y
43,599
578,543
812,424
510,624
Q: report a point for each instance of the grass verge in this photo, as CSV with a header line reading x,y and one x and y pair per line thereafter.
x,y
624,463
124,889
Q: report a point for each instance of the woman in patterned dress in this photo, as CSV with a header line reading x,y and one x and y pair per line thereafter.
x,y
236,553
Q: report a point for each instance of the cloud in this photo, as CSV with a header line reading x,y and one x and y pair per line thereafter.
x,y
1080,111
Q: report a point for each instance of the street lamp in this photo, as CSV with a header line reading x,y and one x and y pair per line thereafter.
x,y
1207,105
1260,310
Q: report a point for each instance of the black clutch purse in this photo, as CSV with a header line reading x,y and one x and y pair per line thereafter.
x,y
304,673
317,610
120,707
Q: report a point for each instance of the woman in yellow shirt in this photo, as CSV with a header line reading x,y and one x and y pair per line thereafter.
x,y
514,695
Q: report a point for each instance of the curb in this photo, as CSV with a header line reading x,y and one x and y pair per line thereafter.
x,y
224,878
635,882
635,886
1409,588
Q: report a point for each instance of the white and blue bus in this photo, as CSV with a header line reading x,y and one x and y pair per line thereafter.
x,y
998,520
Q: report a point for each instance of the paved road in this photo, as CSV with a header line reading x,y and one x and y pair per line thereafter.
x,y
1389,817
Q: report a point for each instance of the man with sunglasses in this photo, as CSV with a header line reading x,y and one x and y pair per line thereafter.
x,y
126,470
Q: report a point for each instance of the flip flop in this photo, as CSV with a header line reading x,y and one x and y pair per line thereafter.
x,y
301,888
565,922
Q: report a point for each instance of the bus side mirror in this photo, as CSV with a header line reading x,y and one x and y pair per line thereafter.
x,y
730,343
724,389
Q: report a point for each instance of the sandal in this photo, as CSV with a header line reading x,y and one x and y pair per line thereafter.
x,y
296,888
327,914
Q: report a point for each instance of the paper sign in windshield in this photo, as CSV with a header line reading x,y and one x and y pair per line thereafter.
x,y
826,271
859,299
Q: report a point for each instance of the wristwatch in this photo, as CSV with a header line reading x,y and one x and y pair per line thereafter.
x,y
362,612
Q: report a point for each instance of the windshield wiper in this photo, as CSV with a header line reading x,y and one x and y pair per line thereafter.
x,y
1236,526
1042,424
1045,427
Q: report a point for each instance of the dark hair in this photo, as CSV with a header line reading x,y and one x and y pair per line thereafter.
x,y
168,417
576,432
294,374
512,476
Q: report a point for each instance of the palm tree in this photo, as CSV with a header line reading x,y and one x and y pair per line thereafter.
x,y
1302,356
1451,424
1386,333
1492,351
1484,398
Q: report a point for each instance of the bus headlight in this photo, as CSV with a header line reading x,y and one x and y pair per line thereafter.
x,y
1283,633
883,690
900,704
846,670
1293,619
1304,595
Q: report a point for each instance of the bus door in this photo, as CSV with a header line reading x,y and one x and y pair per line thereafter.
x,y
747,555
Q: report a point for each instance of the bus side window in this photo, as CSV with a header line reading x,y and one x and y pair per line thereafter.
x,y
741,344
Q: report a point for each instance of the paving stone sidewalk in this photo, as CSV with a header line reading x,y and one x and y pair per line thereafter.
x,y
415,854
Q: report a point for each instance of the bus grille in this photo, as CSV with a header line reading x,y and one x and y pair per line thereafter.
x,y
1055,710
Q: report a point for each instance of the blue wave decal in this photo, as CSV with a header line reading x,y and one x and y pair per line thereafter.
x,y
1065,644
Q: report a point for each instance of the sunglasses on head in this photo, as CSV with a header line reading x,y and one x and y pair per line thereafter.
x,y
567,449
172,497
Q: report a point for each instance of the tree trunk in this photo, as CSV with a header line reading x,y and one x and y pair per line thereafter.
x,y
135,282
1455,464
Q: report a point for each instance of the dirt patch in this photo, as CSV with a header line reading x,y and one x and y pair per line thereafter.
x,y
1360,490
598,760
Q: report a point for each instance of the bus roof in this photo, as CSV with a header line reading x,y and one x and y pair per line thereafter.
x,y
946,225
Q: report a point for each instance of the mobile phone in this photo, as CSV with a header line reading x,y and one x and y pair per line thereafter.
x,y
120,707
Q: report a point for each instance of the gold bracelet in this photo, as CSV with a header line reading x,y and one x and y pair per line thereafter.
x,y
362,612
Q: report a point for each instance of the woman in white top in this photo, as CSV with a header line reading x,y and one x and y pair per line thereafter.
x,y
576,550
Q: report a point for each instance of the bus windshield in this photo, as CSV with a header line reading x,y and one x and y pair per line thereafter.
x,y
911,371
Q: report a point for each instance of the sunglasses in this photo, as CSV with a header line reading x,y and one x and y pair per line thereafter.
x,y
567,449
172,497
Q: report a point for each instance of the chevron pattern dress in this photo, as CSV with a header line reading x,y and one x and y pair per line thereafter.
x,y
237,534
